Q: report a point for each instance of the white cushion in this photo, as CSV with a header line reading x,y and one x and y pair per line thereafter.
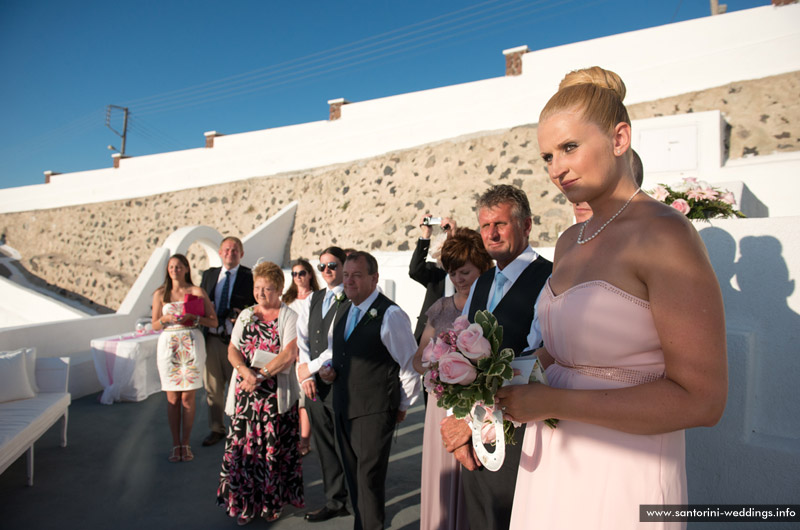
x,y
14,379
22,422
30,364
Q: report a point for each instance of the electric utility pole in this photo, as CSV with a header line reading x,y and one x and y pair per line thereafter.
x,y
124,133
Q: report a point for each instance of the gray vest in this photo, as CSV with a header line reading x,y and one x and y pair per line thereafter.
x,y
318,334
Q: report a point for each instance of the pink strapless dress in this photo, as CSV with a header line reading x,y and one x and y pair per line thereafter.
x,y
585,476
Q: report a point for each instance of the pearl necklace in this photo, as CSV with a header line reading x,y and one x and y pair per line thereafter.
x,y
581,241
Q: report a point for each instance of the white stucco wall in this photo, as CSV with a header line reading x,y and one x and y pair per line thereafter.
x,y
753,454
657,62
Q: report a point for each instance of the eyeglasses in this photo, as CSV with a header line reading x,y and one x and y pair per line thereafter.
x,y
300,273
332,266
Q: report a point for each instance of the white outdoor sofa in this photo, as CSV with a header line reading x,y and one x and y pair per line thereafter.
x,y
24,421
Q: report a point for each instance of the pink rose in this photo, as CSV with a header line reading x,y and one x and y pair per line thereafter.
x,y
461,323
660,193
681,205
456,369
440,348
473,344
427,354
728,198
429,381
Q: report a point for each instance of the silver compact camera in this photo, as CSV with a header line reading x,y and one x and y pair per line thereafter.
x,y
428,221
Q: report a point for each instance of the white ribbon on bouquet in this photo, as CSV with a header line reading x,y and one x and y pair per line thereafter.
x,y
530,369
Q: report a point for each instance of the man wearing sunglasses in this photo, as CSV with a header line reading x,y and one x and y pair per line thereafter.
x,y
313,329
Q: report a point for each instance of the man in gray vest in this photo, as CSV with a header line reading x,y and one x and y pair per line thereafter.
x,y
313,331
509,291
374,383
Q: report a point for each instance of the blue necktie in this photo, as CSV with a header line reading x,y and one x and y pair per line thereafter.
x,y
497,295
353,321
326,304
223,297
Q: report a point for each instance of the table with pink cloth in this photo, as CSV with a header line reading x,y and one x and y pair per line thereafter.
x,y
126,366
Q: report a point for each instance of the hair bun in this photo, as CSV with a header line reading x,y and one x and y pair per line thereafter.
x,y
595,76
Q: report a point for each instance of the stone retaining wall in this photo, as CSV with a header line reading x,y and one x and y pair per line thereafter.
x,y
96,251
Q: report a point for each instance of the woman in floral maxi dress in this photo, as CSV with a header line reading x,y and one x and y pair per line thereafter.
x,y
261,467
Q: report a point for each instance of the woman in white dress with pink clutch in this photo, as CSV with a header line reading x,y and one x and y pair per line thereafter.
x,y
181,351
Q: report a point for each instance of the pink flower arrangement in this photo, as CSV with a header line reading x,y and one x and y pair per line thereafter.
x,y
697,199
465,365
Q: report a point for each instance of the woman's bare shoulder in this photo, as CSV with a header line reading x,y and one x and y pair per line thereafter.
x,y
668,237
197,290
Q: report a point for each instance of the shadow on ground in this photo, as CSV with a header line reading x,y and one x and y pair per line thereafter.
x,y
114,474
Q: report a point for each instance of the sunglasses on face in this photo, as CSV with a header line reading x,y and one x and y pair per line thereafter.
x,y
295,274
331,266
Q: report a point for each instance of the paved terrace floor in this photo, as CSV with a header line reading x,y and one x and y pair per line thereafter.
x,y
114,474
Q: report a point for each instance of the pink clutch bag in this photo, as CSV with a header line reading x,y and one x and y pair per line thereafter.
x,y
193,305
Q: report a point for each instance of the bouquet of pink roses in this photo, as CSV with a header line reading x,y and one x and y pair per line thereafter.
x,y
697,199
465,367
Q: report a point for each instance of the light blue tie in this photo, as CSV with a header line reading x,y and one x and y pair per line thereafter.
x,y
353,321
326,304
499,282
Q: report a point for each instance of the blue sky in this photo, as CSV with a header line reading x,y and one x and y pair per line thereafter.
x,y
186,67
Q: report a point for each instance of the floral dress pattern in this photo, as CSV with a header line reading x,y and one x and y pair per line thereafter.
x,y
261,467
181,354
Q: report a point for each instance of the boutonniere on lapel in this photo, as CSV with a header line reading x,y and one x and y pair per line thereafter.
x,y
340,298
372,313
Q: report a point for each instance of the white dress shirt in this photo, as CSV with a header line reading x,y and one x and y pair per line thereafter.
x,y
512,272
398,338
302,331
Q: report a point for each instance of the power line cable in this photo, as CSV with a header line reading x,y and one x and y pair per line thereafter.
x,y
370,56
308,59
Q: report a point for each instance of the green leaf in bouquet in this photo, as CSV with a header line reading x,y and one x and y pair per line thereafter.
x,y
488,396
494,343
484,364
448,401
484,322
496,369
460,411
506,356
508,373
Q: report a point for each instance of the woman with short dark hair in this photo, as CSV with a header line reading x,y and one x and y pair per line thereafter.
x,y
442,508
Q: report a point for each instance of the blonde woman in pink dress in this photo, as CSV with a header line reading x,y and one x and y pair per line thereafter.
x,y
633,321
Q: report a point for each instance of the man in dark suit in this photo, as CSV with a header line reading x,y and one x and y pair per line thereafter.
x,y
374,383
509,291
230,289
429,274
314,323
